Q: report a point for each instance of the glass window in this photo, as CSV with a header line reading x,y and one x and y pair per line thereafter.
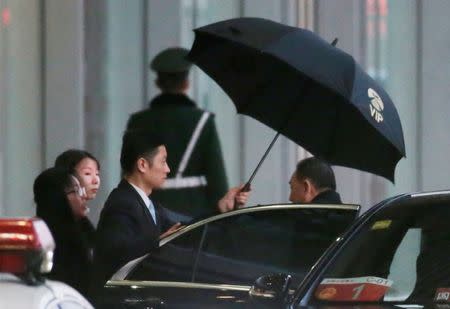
x,y
173,261
400,256
21,112
377,36
239,249
392,58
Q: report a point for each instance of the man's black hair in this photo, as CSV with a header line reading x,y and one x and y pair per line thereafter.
x,y
169,82
317,171
137,143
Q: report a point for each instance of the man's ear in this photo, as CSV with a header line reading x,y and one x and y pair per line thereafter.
x,y
307,185
310,190
141,164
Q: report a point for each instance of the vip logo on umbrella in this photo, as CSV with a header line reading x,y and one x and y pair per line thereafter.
x,y
376,105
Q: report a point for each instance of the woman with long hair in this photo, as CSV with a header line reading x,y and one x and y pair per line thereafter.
x,y
61,203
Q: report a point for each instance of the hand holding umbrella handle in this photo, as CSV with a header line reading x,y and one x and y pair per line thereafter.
x,y
245,188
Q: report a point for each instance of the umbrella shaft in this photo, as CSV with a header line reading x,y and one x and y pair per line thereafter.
x,y
263,158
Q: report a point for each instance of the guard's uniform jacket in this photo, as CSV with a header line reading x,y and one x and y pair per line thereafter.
x,y
198,186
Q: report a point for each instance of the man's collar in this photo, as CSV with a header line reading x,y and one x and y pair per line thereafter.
x,y
327,197
141,193
170,98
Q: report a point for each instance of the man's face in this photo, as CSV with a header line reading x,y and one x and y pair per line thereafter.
x,y
300,190
158,169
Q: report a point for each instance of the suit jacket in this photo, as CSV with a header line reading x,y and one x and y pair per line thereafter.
x,y
125,231
327,197
318,228
175,117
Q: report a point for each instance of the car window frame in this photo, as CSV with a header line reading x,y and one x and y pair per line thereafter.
x,y
123,272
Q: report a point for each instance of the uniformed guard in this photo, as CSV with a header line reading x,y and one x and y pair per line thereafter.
x,y
197,179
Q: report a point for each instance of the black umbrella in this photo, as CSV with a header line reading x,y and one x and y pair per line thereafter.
x,y
306,89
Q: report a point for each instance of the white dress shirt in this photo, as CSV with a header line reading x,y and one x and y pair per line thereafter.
x,y
147,201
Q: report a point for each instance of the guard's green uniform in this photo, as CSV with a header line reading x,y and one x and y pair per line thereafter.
x,y
175,116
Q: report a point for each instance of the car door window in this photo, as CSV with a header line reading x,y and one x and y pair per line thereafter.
x,y
402,272
174,261
398,256
238,249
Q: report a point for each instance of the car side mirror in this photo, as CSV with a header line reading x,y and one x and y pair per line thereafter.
x,y
271,288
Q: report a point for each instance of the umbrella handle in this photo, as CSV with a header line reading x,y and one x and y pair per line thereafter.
x,y
245,188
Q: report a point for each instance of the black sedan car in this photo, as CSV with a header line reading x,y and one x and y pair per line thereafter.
x,y
395,255
220,257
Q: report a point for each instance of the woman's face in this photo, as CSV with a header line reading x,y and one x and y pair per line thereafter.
x,y
76,195
89,175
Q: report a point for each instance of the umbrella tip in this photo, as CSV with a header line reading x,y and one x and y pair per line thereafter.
x,y
334,42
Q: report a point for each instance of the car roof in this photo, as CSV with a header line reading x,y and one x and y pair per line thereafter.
x,y
408,198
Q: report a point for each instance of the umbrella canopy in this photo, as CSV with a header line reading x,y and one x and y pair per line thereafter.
x,y
308,90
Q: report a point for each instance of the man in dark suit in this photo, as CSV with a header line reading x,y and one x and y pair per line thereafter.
x,y
313,181
131,224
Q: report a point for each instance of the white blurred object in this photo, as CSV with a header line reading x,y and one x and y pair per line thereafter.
x,y
26,251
